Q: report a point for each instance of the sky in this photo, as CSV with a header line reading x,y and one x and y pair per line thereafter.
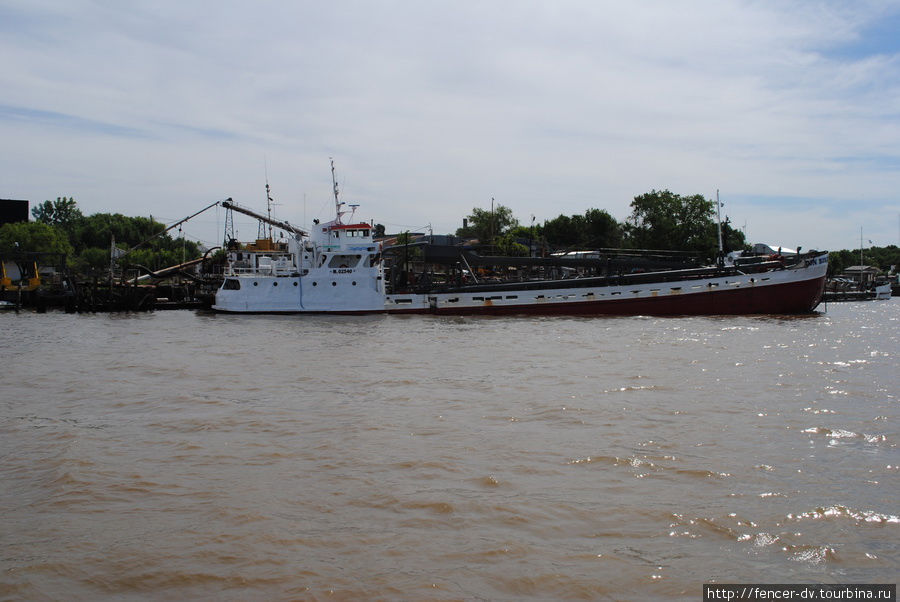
x,y
790,110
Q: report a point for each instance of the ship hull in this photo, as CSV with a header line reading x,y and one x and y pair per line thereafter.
x,y
796,290
711,297
792,298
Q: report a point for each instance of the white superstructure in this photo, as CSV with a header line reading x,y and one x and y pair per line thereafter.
x,y
335,268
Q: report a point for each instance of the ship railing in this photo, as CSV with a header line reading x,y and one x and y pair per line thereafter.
x,y
241,271
269,270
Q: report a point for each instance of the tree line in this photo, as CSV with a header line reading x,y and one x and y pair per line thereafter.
x,y
660,219
882,257
60,228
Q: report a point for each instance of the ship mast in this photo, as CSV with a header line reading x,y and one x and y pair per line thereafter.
x,y
719,222
861,262
268,204
337,201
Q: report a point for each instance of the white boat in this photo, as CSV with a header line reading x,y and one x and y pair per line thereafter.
x,y
338,267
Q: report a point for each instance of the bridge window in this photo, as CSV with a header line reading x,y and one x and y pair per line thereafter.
x,y
343,261
232,284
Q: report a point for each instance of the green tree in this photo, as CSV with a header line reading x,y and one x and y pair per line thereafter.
x,y
62,228
63,212
595,229
92,259
33,237
601,230
508,245
838,261
98,229
562,231
665,220
524,233
485,225
161,250
732,239
408,253
881,257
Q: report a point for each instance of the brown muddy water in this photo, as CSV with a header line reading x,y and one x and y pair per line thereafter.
x,y
183,455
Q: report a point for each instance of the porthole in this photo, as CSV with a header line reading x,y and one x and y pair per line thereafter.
x,y
315,284
353,283
256,284
334,284
295,284
274,284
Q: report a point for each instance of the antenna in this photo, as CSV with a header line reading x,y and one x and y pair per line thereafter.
x,y
492,222
268,196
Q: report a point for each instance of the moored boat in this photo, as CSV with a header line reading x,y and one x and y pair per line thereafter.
x,y
848,288
338,267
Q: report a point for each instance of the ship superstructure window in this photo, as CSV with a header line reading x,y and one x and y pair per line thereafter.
x,y
232,284
340,260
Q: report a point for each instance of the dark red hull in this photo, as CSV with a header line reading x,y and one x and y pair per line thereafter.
x,y
788,298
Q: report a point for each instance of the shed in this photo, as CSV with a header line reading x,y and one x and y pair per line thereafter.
x,y
864,274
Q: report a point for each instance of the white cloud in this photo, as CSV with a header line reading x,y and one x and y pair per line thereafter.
x,y
431,108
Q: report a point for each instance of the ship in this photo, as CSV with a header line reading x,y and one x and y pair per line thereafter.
x,y
338,267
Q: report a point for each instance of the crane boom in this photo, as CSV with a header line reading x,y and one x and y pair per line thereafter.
x,y
230,204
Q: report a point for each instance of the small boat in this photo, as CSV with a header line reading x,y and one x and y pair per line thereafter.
x,y
6,305
338,267
861,282
850,288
